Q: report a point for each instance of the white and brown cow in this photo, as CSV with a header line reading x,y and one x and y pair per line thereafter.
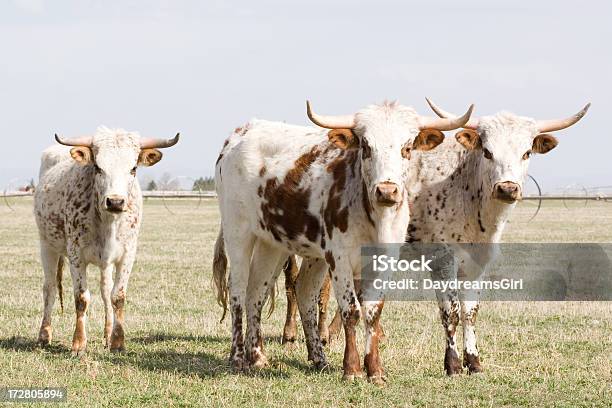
x,y
464,193
88,207
321,194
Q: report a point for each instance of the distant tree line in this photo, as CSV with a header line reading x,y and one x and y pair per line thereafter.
x,y
169,183
204,184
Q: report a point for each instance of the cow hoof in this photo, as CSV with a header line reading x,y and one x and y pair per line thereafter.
x,y
321,365
377,379
44,336
350,378
452,365
238,365
472,363
289,344
474,370
259,363
116,346
288,339
78,353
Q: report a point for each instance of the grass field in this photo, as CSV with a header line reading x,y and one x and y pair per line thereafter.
x,y
534,354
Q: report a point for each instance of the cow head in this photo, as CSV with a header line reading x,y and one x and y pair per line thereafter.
x,y
506,142
385,135
114,156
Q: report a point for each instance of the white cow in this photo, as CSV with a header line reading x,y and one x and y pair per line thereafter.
x,y
321,194
88,207
465,193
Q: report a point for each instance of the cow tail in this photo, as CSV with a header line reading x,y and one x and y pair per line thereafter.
x,y
290,264
272,300
58,279
220,272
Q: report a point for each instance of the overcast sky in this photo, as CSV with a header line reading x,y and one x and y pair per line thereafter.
x,y
205,67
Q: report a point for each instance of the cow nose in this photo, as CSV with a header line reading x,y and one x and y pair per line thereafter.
x,y
388,194
507,191
115,203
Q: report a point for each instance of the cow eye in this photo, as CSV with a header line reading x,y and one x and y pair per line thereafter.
x,y
406,152
527,155
487,154
133,171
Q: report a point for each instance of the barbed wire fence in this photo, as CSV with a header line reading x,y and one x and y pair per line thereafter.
x,y
573,196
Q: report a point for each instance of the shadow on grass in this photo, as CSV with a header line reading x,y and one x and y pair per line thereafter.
x,y
165,337
212,365
201,364
19,343
192,364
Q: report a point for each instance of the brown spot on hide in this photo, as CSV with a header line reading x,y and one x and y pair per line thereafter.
x,y
335,215
285,211
329,258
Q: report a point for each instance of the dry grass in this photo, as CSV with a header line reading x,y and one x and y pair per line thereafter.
x,y
534,354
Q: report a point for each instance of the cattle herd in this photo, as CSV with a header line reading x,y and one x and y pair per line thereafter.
x,y
293,195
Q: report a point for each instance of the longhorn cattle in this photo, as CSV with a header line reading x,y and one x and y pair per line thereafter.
x,y
321,194
465,193
88,207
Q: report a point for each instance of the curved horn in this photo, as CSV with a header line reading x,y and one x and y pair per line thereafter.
x,y
450,123
150,143
330,122
471,124
558,124
77,141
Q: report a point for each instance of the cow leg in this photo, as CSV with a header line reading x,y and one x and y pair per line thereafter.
x,y
449,313
82,298
372,311
239,245
263,274
342,281
308,286
291,275
471,359
118,297
335,327
106,286
323,302
51,261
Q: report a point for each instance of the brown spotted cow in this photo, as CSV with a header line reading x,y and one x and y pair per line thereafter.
x,y
321,194
464,192
88,207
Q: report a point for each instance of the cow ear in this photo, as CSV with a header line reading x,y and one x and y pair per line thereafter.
x,y
81,154
427,139
343,138
544,143
149,157
469,139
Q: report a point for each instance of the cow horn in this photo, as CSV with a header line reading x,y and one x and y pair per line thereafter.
x,y
330,122
558,124
471,124
150,143
446,122
85,141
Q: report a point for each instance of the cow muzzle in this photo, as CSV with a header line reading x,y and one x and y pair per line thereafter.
x,y
115,204
507,191
388,194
